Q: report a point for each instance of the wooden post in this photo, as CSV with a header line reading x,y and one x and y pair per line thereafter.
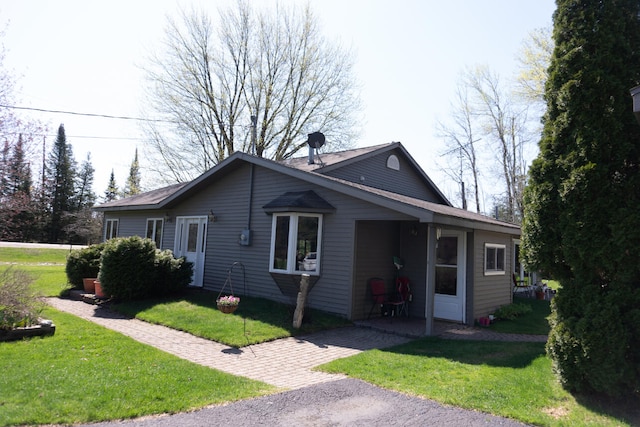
x,y
302,300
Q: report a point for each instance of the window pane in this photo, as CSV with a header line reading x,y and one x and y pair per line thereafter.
x,y
150,224
500,259
114,229
491,258
192,240
446,280
307,243
281,248
447,252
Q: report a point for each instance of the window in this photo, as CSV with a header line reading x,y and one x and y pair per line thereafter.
x,y
393,162
154,230
295,243
111,229
494,259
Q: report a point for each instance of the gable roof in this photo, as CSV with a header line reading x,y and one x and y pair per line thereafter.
x,y
421,210
325,163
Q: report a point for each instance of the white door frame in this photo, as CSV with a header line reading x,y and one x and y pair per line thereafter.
x,y
452,307
183,242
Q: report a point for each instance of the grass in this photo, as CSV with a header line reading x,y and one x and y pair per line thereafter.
x,y
509,379
86,373
256,320
45,266
34,255
534,322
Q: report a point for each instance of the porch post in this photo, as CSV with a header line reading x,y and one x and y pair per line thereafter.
x,y
431,280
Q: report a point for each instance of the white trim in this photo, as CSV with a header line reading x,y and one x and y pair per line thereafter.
x,y
496,271
292,261
180,245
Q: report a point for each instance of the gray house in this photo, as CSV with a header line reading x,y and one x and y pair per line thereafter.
x,y
340,217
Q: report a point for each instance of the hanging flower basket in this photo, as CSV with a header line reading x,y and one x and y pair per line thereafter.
x,y
228,304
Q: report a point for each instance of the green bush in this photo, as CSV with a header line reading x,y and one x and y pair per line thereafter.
x,y
511,311
19,305
172,274
83,263
132,268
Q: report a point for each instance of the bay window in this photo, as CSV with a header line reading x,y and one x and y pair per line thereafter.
x,y
295,243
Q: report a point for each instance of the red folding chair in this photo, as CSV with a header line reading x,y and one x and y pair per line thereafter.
x,y
404,295
382,299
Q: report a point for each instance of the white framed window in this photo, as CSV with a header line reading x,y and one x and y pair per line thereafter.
x,y
494,259
295,243
154,230
393,162
110,229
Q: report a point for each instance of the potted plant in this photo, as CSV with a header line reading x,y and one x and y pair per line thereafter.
x,y
540,290
228,304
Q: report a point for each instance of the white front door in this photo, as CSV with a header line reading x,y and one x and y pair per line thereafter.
x,y
190,242
449,300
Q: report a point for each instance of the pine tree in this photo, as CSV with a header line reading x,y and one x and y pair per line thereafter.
x,y
60,185
132,185
581,219
85,197
17,211
112,189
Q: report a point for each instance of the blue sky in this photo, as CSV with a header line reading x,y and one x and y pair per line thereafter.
x,y
84,56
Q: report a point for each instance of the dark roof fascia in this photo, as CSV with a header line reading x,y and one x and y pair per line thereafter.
x,y
421,210
430,212
423,174
375,151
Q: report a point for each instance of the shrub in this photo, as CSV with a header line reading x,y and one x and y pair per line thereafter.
x,y
132,268
83,263
511,311
172,274
127,267
19,305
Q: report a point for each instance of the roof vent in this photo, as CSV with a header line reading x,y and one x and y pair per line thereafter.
x,y
315,140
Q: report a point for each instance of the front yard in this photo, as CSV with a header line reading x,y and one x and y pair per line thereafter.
x,y
86,373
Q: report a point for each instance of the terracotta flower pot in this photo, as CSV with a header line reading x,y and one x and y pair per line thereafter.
x,y
88,283
99,292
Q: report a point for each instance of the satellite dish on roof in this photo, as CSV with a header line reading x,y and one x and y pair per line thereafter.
x,y
316,139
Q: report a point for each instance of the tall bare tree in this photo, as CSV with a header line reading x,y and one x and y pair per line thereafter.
x,y
533,60
505,124
214,79
461,145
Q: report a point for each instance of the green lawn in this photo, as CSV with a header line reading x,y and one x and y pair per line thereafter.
x,y
33,255
256,320
534,322
86,373
502,378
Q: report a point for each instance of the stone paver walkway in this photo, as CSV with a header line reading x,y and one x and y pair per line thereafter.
x,y
284,363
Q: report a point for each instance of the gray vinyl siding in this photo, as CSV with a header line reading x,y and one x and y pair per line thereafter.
x,y
375,173
228,198
492,291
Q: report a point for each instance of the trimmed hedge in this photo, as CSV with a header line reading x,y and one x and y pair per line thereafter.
x,y
83,263
132,268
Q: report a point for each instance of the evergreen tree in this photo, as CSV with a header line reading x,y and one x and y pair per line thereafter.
x,y
132,185
60,185
112,189
17,211
85,197
5,154
582,225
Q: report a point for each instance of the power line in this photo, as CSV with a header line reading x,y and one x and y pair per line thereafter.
x,y
104,116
